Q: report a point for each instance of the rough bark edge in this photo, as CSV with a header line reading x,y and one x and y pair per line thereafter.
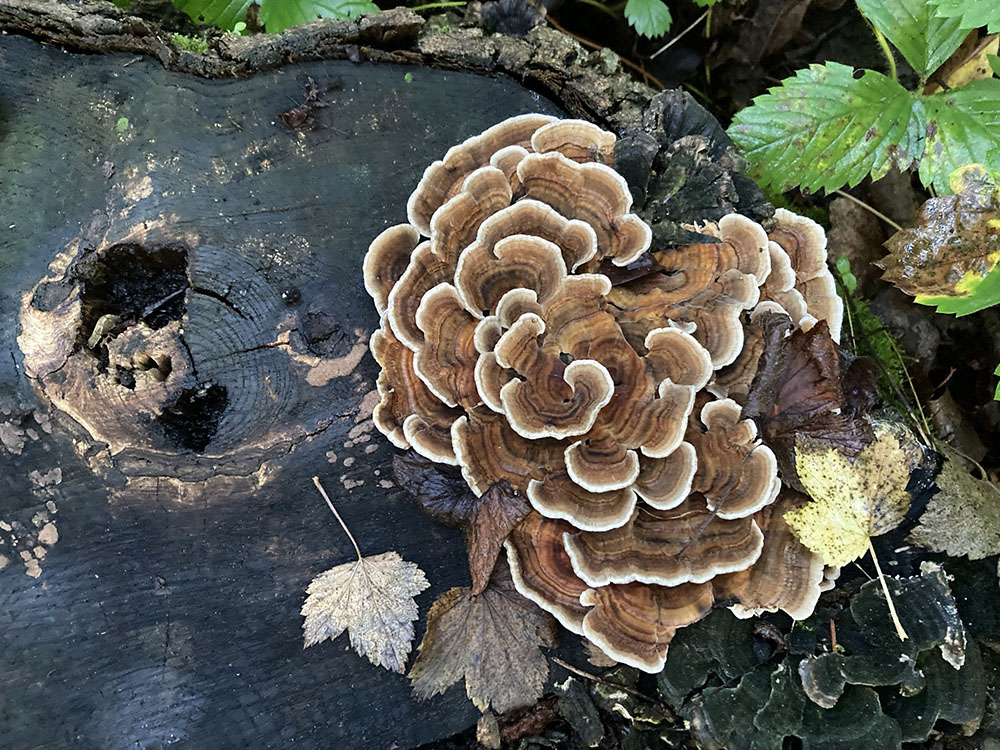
x,y
587,84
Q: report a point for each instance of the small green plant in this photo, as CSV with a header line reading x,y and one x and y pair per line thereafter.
x,y
121,125
831,124
195,44
651,18
276,15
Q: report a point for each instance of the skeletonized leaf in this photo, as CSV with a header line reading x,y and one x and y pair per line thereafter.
x,y
491,640
950,258
851,501
823,128
371,598
963,518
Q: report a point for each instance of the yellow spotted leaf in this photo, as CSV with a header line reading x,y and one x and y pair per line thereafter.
x,y
852,501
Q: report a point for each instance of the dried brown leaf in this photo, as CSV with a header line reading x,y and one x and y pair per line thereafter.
x,y
371,598
798,393
963,518
490,639
486,521
494,516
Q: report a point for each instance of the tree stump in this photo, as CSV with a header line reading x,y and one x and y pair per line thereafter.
x,y
187,332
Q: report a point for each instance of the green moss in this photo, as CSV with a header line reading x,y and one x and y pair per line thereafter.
x,y
195,44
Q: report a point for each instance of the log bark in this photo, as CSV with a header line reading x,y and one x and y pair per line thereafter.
x,y
187,332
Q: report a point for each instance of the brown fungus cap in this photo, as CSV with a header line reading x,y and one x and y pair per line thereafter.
x,y
530,334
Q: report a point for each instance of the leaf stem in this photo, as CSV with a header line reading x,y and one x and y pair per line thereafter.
x,y
430,6
342,524
677,38
886,50
888,597
871,209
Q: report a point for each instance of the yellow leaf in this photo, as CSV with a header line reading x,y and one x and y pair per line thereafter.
x,y
851,501
970,62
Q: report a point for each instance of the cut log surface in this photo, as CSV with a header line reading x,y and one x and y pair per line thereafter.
x,y
187,330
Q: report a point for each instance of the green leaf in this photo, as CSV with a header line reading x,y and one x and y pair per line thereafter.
x,y
648,17
925,41
978,294
223,13
706,3
824,128
994,62
963,127
996,395
971,13
278,15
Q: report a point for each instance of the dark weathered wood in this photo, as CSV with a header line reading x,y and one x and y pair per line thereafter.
x,y
167,611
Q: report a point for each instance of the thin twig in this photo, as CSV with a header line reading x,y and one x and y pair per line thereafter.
x,y
647,76
872,209
429,6
600,681
888,597
601,7
677,38
342,524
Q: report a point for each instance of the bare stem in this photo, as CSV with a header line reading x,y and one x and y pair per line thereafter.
x,y
888,597
872,209
677,38
886,50
342,524
594,678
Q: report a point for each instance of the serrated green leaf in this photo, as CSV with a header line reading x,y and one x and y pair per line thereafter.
x,y
223,13
278,15
963,127
924,40
971,13
823,128
648,17
994,62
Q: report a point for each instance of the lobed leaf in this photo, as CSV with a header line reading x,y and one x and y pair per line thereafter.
x,y
649,18
925,40
824,128
278,15
371,598
852,501
971,14
964,517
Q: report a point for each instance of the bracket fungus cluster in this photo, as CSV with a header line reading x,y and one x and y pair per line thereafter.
x,y
530,333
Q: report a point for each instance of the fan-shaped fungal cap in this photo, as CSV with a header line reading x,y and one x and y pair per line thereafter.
x,y
533,337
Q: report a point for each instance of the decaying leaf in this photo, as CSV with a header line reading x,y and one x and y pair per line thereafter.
x,y
964,517
494,516
851,501
949,258
491,639
371,598
485,521
798,392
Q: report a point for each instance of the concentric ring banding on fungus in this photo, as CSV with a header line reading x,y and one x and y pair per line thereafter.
x,y
506,352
